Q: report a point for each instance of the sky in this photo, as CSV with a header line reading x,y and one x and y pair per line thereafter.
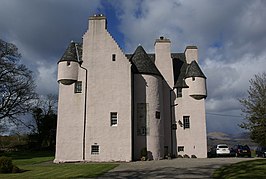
x,y
230,36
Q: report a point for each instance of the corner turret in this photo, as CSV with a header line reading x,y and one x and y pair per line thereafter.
x,y
68,65
196,81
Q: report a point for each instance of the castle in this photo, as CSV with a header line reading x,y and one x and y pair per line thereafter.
x,y
113,106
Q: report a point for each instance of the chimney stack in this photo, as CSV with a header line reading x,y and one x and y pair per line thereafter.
x,y
163,59
191,54
97,23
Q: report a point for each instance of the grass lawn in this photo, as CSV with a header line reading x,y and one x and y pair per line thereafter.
x,y
39,165
247,169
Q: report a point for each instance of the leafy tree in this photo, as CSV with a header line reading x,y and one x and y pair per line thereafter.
x,y
254,109
45,117
17,87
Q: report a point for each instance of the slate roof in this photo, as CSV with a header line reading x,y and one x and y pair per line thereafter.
x,y
142,63
193,70
71,53
179,69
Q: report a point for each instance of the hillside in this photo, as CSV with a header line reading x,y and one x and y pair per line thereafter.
x,y
215,138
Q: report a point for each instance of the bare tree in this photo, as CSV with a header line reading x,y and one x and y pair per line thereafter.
x,y
17,87
45,117
254,109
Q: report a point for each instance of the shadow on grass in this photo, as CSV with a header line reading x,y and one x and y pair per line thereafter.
x,y
247,169
164,172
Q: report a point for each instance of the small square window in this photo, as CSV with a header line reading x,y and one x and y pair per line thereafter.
x,y
113,118
186,122
179,92
157,115
78,87
68,63
180,148
193,78
113,57
95,149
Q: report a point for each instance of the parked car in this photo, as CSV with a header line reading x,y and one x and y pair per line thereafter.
x,y
240,151
219,150
261,152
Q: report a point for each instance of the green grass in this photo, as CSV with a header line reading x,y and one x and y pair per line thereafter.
x,y
39,165
247,169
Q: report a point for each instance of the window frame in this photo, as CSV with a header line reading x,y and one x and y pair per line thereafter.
x,y
95,149
113,118
180,149
78,87
186,122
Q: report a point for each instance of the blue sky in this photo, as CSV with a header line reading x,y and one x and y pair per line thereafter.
x,y
230,36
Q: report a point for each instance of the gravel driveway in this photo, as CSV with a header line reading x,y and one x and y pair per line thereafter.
x,y
176,168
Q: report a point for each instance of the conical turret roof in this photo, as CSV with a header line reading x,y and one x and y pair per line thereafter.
x,y
71,53
142,63
193,70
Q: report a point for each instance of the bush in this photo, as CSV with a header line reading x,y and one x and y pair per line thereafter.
x,y
193,156
186,156
6,165
179,156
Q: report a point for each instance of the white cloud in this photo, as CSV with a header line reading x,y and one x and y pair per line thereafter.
x,y
46,79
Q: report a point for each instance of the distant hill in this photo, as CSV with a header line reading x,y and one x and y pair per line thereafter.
x,y
215,138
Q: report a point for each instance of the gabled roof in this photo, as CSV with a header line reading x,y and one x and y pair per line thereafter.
x,y
71,53
141,62
193,70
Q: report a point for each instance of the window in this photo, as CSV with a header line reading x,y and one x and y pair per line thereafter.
x,y
78,87
179,92
113,118
157,114
68,63
180,148
95,149
186,123
113,57
193,78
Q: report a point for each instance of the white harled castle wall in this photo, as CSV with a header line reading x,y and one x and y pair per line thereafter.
x,y
193,139
147,101
70,119
109,90
163,62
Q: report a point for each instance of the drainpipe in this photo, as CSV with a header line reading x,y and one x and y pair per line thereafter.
x,y
85,105
171,118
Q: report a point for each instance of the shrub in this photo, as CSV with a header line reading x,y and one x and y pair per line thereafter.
x,y
186,156
179,156
193,156
6,165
